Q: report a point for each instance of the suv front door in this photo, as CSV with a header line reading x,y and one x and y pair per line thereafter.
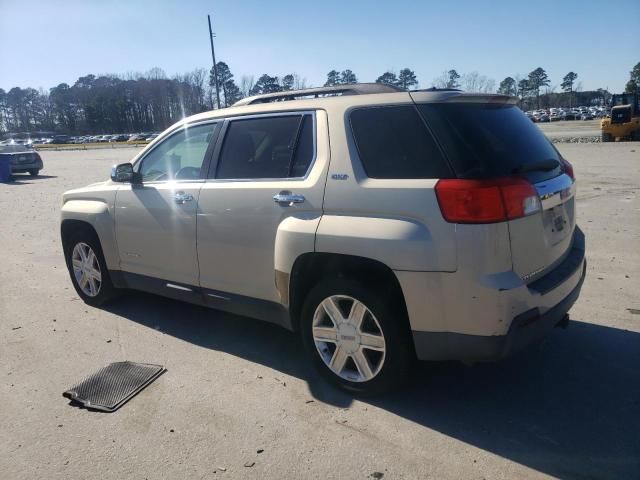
x,y
155,222
258,157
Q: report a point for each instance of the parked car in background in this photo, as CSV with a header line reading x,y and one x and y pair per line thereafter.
x,y
22,159
137,137
321,215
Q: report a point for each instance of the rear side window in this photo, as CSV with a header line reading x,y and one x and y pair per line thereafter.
x,y
490,140
393,142
267,147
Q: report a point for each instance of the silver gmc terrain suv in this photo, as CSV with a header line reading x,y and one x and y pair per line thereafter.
x,y
383,225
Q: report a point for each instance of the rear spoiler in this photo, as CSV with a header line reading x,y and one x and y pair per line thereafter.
x,y
461,97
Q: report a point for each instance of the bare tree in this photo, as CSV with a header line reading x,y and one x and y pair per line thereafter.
x,y
155,73
470,81
198,79
247,83
299,83
474,82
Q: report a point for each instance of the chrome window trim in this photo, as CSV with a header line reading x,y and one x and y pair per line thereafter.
x,y
138,163
288,113
165,182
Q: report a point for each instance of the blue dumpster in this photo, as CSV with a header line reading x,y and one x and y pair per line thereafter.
x,y
5,167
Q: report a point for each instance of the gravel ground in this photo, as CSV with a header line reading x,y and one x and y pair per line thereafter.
x,y
563,131
238,401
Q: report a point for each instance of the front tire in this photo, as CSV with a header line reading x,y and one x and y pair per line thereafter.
x,y
87,268
606,137
357,337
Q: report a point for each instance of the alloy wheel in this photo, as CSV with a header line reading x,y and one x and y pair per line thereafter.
x,y
348,338
86,269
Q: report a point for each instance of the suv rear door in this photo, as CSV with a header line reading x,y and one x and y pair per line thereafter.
x,y
258,157
485,138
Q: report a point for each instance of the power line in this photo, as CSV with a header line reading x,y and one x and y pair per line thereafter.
x,y
215,67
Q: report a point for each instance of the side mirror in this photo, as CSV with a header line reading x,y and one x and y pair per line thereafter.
x,y
124,173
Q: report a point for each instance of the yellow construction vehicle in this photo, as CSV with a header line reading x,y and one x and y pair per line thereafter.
x,y
624,123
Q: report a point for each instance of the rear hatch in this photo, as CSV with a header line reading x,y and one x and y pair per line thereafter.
x,y
24,158
487,137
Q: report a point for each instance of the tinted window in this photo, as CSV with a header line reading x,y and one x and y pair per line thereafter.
x,y
267,147
393,142
179,157
489,140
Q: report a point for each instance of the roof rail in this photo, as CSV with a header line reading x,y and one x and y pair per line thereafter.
x,y
348,89
437,89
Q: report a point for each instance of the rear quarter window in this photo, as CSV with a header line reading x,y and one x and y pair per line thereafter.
x,y
393,142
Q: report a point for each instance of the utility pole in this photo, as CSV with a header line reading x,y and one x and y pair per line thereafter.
x,y
215,67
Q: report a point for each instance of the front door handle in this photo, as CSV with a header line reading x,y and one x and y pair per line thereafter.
x,y
286,198
182,197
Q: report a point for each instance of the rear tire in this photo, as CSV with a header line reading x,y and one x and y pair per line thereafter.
x,y
34,173
607,137
371,355
87,268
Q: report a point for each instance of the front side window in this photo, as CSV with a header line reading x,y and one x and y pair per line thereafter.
x,y
179,157
267,147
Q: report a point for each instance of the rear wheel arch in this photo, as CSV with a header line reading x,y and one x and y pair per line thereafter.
x,y
311,268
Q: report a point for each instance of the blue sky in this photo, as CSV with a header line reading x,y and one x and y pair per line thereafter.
x,y
46,43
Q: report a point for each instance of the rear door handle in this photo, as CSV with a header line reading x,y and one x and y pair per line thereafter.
x,y
182,197
286,198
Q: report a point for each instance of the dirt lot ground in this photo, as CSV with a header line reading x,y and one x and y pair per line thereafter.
x,y
569,408
571,128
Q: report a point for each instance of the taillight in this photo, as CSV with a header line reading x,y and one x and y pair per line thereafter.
x,y
486,201
568,168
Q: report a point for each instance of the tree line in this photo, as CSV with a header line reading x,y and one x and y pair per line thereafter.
x,y
152,101
107,103
535,90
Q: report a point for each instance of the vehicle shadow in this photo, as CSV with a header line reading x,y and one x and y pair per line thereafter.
x,y
27,179
569,407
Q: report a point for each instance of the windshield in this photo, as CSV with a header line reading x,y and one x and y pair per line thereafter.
x,y
491,140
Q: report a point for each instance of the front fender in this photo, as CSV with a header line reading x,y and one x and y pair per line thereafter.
x,y
99,214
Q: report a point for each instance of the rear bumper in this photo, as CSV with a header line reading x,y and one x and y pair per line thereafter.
x,y
490,321
525,329
26,167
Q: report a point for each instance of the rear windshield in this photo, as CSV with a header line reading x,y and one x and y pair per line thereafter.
x,y
490,140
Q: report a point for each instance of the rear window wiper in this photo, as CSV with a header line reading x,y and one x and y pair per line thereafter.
x,y
542,165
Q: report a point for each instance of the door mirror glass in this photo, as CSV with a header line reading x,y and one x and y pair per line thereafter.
x,y
123,173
